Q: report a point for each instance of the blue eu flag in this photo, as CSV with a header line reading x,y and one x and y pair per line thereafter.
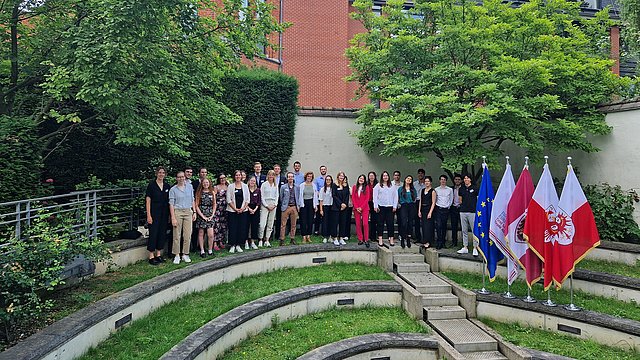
x,y
488,248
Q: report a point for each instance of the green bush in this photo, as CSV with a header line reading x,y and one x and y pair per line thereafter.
x,y
20,161
613,210
34,266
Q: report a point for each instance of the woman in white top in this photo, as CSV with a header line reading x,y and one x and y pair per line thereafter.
x,y
269,208
237,206
385,202
307,192
329,217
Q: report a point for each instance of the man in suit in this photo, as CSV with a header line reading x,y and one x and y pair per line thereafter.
x,y
260,178
290,207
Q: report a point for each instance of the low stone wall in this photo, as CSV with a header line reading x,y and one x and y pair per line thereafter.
x,y
602,328
226,331
592,282
378,346
72,336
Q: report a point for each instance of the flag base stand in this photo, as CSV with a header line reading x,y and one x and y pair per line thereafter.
x,y
572,307
483,291
549,303
508,295
529,299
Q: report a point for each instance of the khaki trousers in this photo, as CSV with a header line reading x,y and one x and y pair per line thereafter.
x,y
290,213
185,222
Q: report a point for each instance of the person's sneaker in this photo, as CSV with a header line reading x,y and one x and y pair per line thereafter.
x,y
253,246
246,245
186,258
464,250
260,243
238,248
203,255
336,242
324,241
475,252
342,242
232,249
345,238
267,243
176,260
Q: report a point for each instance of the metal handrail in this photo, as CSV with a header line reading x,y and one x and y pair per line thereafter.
x,y
90,210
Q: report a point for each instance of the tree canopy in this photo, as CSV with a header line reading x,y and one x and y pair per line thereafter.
x,y
139,68
461,80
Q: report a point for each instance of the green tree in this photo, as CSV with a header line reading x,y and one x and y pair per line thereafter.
x,y
139,68
461,80
630,15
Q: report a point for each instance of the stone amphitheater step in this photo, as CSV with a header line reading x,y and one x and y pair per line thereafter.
x,y
408,257
485,355
447,312
411,267
439,300
426,283
464,336
399,250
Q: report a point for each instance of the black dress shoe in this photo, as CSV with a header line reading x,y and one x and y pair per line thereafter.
x,y
402,243
159,259
153,262
367,244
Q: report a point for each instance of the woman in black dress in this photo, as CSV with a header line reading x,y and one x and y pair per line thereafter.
x,y
425,212
157,205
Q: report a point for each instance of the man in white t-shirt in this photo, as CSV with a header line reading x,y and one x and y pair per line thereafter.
x,y
444,200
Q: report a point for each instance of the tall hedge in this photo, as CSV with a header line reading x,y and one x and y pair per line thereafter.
x,y
266,102
20,159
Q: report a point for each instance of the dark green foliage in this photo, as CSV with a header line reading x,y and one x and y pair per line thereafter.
x,y
266,101
20,162
613,210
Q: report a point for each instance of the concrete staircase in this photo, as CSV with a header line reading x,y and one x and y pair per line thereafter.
x,y
441,309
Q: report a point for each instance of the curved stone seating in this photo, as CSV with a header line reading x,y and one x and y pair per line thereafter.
x,y
591,282
602,328
72,336
383,346
224,332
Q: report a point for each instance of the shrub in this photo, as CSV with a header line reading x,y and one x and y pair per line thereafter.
x,y
34,265
613,210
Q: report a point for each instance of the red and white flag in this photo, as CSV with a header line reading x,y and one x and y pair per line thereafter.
x,y
575,229
516,216
498,225
540,228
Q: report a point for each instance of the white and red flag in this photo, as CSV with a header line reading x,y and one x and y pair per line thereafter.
x,y
575,233
516,216
498,225
540,229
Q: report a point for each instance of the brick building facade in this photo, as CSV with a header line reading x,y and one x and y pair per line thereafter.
x,y
313,48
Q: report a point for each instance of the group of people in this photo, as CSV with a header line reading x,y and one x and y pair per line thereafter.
x,y
254,209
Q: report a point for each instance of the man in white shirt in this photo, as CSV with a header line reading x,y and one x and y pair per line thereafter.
x,y
444,200
454,212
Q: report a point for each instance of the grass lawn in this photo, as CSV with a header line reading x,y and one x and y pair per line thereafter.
x,y
293,338
615,268
152,336
558,343
519,288
68,301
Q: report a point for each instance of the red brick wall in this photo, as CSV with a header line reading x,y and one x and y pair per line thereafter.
x,y
615,48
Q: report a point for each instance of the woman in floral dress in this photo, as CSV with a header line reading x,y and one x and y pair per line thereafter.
x,y
220,216
205,208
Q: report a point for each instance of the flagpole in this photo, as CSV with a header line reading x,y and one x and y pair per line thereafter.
x,y
484,291
548,302
572,306
508,294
